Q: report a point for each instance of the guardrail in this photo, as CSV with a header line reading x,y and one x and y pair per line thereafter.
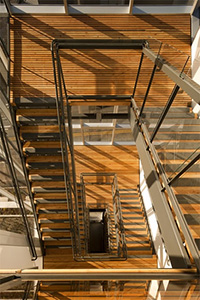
x,y
66,139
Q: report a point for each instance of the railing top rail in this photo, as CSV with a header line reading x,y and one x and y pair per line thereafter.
x,y
181,79
98,43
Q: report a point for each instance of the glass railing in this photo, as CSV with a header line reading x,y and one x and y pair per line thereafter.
x,y
99,2
18,213
76,2
103,289
88,130
19,290
4,28
36,2
171,126
166,111
189,170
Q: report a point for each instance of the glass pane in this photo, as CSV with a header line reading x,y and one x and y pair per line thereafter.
x,y
97,134
10,214
193,170
123,134
19,290
77,135
36,2
163,2
174,57
178,138
104,289
3,85
4,25
99,2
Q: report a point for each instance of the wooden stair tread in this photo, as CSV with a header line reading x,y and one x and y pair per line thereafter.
x,y
52,216
57,243
39,128
48,184
36,112
52,206
56,234
54,226
47,158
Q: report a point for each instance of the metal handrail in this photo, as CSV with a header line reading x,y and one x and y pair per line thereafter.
x,y
9,113
194,252
119,219
66,144
25,173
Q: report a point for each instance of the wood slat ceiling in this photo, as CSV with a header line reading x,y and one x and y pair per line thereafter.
x,y
93,71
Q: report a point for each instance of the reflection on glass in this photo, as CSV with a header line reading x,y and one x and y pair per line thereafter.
x,y
97,134
175,57
19,290
99,2
188,157
136,289
3,85
4,26
10,214
154,45
77,135
163,2
36,2
123,134
96,124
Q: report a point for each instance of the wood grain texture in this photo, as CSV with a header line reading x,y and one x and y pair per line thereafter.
x,y
122,160
95,71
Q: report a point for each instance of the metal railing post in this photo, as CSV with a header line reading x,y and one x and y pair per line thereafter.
x,y
138,74
189,165
148,89
165,111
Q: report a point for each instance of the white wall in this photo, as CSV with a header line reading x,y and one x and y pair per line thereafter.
x,y
14,252
163,258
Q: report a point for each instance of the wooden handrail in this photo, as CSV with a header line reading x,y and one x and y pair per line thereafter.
x,y
97,272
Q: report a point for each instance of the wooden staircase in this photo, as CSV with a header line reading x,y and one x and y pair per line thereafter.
x,y
39,134
136,230
178,139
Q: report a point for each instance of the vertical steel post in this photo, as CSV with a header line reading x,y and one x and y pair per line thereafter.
x,y
148,89
138,74
165,111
